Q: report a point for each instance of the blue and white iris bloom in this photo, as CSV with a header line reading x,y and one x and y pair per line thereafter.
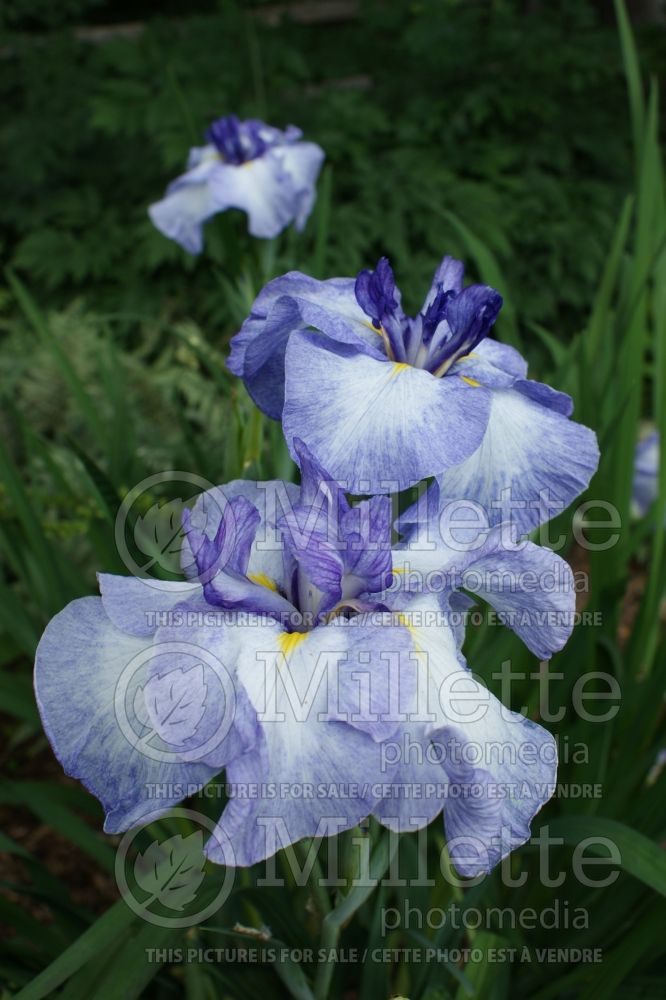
x,y
337,655
646,474
384,400
265,172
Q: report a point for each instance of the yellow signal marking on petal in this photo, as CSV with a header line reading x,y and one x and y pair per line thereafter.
x,y
263,580
384,335
470,381
288,641
466,357
398,366
399,569
413,631
406,623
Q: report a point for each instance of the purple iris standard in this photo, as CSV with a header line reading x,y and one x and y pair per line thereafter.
x,y
321,668
384,400
265,172
646,474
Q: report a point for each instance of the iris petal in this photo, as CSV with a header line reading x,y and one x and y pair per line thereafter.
x,y
491,769
378,427
261,189
289,303
529,586
326,775
272,499
189,201
130,602
531,464
302,161
79,663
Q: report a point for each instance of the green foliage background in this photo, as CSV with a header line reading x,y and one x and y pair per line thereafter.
x,y
511,123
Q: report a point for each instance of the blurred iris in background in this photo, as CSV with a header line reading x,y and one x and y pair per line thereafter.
x,y
267,173
646,474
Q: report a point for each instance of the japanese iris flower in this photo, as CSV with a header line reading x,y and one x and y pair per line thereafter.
x,y
384,400
266,172
300,655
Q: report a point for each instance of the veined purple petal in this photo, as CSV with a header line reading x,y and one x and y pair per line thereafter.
x,y
378,427
328,774
378,296
289,303
341,551
132,603
223,562
229,549
366,529
530,587
318,490
489,768
531,464
376,292
272,499
447,278
466,319
80,661
319,561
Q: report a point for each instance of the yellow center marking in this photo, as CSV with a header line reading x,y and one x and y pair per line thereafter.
x,y
466,357
470,381
399,569
263,580
405,621
413,631
288,641
380,332
398,366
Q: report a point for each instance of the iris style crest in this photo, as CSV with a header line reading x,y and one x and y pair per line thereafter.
x,y
452,322
268,173
238,142
331,553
